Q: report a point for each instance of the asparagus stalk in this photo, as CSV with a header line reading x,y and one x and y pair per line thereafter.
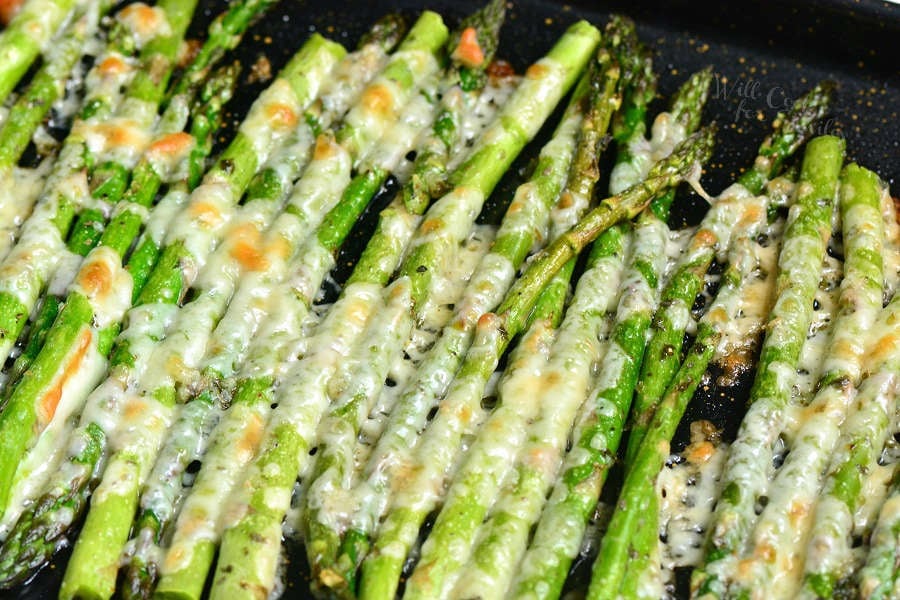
x,y
505,536
878,579
744,478
47,85
101,285
334,465
453,215
249,552
538,446
408,68
528,213
471,47
829,562
249,405
189,242
474,488
382,568
361,381
633,160
239,534
17,558
253,388
319,189
306,71
499,138
474,43
561,527
223,34
780,534
712,237
30,109
41,244
637,500
111,74
162,160
27,35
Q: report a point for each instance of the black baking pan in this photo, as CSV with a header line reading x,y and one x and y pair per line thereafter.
x,y
764,54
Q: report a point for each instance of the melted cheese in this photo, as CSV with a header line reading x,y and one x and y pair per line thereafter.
x,y
41,461
687,489
666,133
144,22
235,441
382,100
356,386
19,191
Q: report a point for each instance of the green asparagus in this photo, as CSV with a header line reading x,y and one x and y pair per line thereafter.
x,y
470,496
829,560
800,263
26,36
712,237
858,306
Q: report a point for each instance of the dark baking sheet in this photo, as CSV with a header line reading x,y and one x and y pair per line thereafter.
x,y
764,54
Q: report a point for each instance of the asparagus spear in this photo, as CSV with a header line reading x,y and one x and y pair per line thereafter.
x,y
780,533
270,119
474,43
162,161
505,535
240,532
378,261
800,263
361,380
223,34
27,35
47,85
829,562
471,47
567,380
499,137
162,154
455,212
638,89
186,344
319,189
101,283
381,569
252,400
637,499
712,237
306,71
221,466
42,239
252,538
878,579
17,558
65,188
558,536
472,492
527,214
